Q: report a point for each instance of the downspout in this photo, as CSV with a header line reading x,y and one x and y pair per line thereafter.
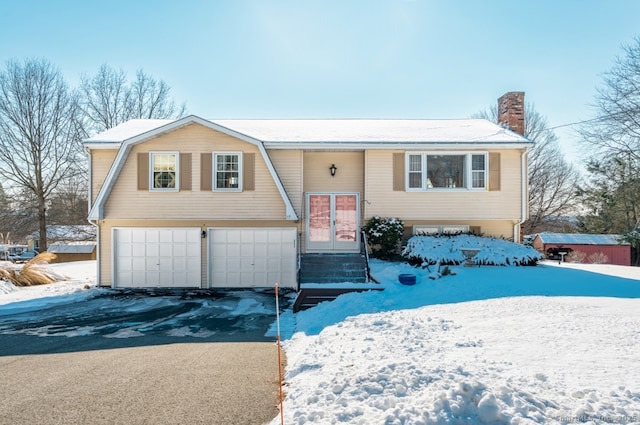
x,y
92,222
524,196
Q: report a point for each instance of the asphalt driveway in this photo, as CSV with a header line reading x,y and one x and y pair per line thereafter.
x,y
127,358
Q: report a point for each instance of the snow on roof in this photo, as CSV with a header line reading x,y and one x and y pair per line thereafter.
x,y
72,248
339,130
373,130
127,130
580,239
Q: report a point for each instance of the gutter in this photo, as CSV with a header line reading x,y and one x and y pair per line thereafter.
x,y
386,145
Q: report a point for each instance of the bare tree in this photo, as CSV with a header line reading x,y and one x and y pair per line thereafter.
x,y
108,99
5,213
150,99
68,204
613,139
552,180
39,132
617,104
105,98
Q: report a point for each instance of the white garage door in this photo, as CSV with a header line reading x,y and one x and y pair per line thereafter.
x,y
252,257
157,257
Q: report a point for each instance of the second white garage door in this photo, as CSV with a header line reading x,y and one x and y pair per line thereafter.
x,y
157,257
252,257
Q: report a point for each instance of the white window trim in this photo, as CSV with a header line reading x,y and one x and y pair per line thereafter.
x,y
215,172
442,229
468,172
151,170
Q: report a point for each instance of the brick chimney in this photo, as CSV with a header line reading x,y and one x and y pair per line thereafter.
x,y
511,111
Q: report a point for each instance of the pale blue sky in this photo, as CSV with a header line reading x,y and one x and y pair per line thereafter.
x,y
337,59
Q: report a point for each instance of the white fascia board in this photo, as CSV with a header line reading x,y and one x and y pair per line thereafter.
x,y
97,211
102,145
396,145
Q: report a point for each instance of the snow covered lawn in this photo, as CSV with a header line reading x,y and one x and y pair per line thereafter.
x,y
518,345
512,345
80,283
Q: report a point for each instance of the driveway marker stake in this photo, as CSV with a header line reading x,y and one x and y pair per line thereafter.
x,y
279,358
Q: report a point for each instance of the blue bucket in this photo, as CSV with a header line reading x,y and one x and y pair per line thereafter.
x,y
407,279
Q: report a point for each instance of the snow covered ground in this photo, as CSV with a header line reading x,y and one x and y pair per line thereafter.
x,y
80,284
514,345
489,345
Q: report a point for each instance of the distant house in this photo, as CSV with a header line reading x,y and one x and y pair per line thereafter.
x,y
593,248
60,233
73,251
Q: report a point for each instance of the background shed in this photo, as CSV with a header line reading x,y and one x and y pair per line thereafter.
x,y
594,248
73,251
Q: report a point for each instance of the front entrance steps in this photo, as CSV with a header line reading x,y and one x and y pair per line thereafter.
x,y
324,277
333,268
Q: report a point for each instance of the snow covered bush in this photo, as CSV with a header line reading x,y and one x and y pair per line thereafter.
x,y
425,250
386,233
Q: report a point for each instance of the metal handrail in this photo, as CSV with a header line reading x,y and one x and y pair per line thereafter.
x,y
365,244
299,255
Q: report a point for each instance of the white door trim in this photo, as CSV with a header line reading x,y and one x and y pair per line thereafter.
x,y
333,245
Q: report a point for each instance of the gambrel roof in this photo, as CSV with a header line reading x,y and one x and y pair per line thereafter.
x,y
132,133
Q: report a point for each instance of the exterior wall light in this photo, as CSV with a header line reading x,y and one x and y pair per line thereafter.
x,y
333,169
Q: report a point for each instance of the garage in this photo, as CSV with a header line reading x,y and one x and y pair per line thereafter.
x,y
252,257
157,257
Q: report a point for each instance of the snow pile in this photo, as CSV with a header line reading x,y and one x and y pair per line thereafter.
x,y
447,249
489,345
484,362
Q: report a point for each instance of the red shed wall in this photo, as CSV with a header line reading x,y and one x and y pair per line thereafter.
x,y
618,254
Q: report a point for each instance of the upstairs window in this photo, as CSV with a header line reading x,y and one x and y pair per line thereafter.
x,y
164,171
427,171
227,171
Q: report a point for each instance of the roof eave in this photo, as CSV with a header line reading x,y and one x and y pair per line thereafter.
x,y
102,145
397,145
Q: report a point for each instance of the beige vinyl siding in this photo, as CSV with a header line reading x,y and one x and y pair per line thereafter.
x,y
495,228
381,199
106,230
101,160
288,165
126,202
349,175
